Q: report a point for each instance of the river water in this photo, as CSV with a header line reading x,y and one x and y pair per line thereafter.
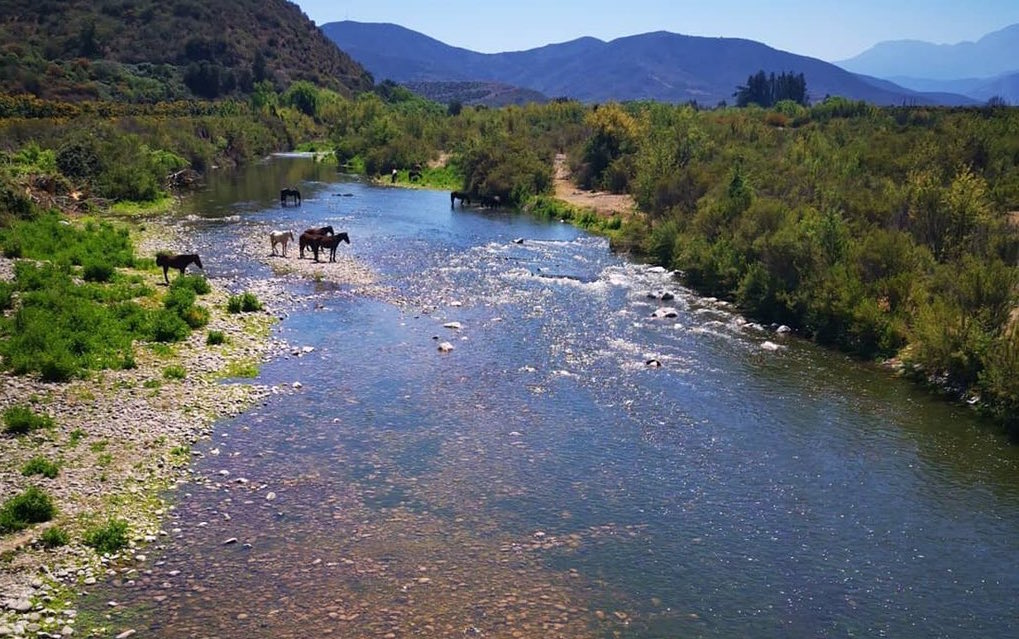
x,y
541,479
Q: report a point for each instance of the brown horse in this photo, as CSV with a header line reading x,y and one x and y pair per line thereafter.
x,y
463,196
311,237
179,262
330,242
287,193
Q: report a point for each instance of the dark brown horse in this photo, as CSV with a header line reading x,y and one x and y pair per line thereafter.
x,y
463,196
311,237
286,194
330,242
179,262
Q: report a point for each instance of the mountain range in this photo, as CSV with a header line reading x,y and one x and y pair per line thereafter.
x,y
981,70
661,66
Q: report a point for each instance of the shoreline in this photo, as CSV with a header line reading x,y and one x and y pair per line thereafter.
x,y
123,440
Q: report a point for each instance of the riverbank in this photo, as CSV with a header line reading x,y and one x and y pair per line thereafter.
x,y
122,439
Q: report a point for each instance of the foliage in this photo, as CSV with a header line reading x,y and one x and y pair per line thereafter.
x,y
54,537
215,338
104,50
107,538
21,420
40,466
31,506
174,372
246,302
767,90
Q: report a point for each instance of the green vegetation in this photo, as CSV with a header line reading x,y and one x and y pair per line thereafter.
x,y
215,338
21,420
246,302
174,372
40,466
54,537
107,538
32,506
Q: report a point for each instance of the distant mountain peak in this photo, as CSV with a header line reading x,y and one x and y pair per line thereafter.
x,y
661,65
992,55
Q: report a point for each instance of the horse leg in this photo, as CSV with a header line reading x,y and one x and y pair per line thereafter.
x,y
165,269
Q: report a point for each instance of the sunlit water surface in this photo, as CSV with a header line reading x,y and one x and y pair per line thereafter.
x,y
541,480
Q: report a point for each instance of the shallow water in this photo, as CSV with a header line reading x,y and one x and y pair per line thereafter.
x,y
541,480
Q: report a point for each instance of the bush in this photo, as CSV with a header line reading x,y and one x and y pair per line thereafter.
x,y
214,338
196,283
246,302
54,537
20,420
174,372
40,466
6,296
30,507
196,316
97,271
107,538
168,326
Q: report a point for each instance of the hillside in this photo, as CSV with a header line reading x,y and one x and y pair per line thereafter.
x,y
149,51
654,66
490,94
993,55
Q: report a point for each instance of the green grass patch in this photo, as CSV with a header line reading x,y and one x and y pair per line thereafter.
x,y
108,537
174,372
247,370
215,338
32,506
159,206
54,537
21,420
40,466
246,302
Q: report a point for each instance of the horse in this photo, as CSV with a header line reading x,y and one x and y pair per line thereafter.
x,y
280,237
311,237
322,230
287,193
414,174
179,262
491,201
463,196
330,242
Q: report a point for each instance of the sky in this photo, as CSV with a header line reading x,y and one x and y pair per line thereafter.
x,y
823,29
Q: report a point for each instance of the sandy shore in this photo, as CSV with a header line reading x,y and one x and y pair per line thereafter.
x,y
122,438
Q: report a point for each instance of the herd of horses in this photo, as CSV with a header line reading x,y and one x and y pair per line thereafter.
x,y
313,239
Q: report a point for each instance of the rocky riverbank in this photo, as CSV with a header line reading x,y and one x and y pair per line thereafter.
x,y
123,438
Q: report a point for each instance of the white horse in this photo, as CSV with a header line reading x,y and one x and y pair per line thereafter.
x,y
280,237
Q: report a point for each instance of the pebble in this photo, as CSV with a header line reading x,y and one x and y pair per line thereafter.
x,y
232,540
127,633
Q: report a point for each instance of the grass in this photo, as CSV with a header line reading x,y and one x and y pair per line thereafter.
x,y
247,370
20,420
246,302
174,371
108,537
55,537
32,506
75,437
40,466
159,206
215,338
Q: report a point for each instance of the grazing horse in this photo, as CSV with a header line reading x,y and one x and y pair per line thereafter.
x,y
330,242
322,230
280,237
459,195
286,194
179,262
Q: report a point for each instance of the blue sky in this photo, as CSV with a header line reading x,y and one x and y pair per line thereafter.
x,y
819,28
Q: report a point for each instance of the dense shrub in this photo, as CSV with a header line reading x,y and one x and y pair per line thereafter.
x,y
107,538
244,303
40,466
54,537
21,420
32,506
215,338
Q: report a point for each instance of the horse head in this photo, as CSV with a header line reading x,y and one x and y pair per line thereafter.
x,y
198,261
343,237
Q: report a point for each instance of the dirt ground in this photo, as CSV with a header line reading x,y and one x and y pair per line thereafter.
x,y
601,202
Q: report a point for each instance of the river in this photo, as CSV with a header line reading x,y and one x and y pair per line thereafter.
x,y
541,479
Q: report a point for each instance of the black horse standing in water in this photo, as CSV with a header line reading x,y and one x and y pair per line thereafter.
x,y
286,194
179,262
459,195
